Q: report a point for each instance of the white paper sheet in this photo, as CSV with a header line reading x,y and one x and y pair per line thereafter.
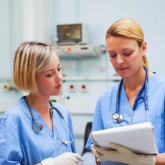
x,y
138,137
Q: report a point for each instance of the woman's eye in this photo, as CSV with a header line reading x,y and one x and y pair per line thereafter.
x,y
127,54
49,75
59,69
112,55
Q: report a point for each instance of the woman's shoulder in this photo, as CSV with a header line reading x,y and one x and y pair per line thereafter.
x,y
110,92
157,80
15,113
16,108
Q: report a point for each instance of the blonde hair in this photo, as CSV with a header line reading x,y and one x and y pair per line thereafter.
x,y
128,28
30,58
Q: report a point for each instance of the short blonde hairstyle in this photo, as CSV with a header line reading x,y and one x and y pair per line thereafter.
x,y
128,28
30,58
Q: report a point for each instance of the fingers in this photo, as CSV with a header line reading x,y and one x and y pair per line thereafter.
x,y
98,160
75,160
75,157
97,154
98,149
120,148
78,157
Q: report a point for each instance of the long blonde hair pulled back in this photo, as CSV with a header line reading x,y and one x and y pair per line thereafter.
x,y
128,28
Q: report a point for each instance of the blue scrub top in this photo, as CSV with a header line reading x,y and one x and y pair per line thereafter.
x,y
19,144
106,106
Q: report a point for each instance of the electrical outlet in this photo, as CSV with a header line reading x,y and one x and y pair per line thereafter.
x,y
72,87
83,87
9,87
5,87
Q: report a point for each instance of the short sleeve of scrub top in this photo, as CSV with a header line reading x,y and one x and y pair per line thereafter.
x,y
19,144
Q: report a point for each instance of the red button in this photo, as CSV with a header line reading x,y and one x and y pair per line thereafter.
x,y
69,49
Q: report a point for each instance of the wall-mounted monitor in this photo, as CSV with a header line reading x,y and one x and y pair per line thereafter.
x,y
71,33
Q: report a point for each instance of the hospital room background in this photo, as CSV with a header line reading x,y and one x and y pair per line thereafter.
x,y
86,68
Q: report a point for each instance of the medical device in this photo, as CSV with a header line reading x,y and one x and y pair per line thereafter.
x,y
37,126
139,137
72,34
73,42
117,117
79,51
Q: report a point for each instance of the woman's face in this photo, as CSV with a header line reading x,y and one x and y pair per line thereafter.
x,y
125,55
49,81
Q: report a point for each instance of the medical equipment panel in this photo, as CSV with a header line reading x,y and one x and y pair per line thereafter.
x,y
71,33
73,42
78,50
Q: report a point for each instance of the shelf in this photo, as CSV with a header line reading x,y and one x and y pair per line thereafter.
x,y
112,78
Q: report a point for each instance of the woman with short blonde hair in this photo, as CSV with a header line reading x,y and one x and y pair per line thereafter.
x,y
35,130
31,58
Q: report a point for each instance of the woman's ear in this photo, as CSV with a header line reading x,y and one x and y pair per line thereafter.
x,y
144,47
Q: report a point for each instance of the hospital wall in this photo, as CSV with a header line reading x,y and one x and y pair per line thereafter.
x,y
37,20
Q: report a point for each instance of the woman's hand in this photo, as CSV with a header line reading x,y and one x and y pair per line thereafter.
x,y
67,158
122,154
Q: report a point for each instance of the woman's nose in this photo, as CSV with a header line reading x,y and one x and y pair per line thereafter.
x,y
120,59
59,76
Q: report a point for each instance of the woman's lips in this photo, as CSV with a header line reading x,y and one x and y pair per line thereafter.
x,y
58,87
122,69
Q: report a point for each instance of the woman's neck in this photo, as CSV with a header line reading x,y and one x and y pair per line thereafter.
x,y
133,85
39,103
135,81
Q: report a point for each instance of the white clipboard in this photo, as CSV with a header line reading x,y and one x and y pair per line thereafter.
x,y
137,137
